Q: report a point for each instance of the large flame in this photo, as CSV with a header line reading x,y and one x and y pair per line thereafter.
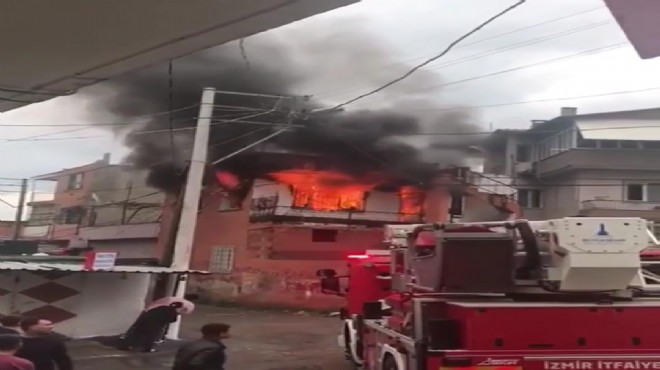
x,y
325,190
412,200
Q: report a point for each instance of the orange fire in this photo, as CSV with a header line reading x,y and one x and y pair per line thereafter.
x,y
325,190
411,202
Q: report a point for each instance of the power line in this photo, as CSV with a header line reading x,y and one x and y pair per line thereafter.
x,y
431,60
514,31
495,105
518,68
123,123
503,49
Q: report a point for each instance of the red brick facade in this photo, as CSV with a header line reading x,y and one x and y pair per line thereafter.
x,y
275,263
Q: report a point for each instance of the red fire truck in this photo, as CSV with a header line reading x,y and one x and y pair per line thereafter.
x,y
564,294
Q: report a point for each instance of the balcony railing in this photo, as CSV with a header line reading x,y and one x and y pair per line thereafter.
x,y
620,205
273,212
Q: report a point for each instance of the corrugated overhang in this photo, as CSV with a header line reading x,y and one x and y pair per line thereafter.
x,y
58,46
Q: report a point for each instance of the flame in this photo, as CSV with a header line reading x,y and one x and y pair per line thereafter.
x,y
227,179
325,190
411,201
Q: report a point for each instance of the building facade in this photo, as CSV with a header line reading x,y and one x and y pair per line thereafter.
x,y
601,164
265,246
106,206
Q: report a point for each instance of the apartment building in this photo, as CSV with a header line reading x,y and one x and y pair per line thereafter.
x,y
105,206
601,164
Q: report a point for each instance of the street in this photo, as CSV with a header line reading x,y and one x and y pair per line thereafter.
x,y
261,340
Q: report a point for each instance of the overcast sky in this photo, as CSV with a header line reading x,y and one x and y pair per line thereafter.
x,y
585,54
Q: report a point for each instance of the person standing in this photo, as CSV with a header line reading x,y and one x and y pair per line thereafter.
x,y
149,327
10,325
187,308
41,347
207,353
9,344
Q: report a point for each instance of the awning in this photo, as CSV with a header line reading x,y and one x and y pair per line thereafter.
x,y
37,266
619,129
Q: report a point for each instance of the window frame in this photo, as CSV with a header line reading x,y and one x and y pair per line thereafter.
x,y
645,192
72,184
222,259
529,198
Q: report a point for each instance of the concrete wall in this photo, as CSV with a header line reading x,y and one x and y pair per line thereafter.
x,y
77,302
125,248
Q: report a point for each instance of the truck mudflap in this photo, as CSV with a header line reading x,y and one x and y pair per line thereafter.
x,y
566,362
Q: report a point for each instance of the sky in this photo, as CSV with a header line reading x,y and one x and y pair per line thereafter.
x,y
537,52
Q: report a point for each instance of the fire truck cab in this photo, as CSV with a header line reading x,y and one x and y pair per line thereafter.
x,y
568,293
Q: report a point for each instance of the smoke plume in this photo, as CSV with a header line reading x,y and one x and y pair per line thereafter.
x,y
396,136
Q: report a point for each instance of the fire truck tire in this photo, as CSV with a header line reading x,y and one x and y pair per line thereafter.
x,y
389,363
348,348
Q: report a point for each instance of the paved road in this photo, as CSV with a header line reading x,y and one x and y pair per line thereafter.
x,y
262,340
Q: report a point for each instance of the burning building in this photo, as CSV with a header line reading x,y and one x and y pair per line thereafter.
x,y
270,216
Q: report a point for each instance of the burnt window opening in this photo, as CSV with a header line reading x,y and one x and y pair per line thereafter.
x,y
324,235
327,200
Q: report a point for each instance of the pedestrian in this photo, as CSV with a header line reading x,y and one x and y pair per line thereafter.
x,y
148,328
10,325
45,350
188,307
207,353
9,344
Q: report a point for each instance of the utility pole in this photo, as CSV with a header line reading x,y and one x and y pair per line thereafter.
x,y
19,210
124,208
188,221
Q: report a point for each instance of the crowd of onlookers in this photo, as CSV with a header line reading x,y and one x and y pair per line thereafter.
x,y
29,343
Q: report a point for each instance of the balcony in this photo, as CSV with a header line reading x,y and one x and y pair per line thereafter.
x,y
621,208
291,214
598,159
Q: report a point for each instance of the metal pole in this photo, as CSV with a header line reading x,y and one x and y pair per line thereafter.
x,y
188,222
19,210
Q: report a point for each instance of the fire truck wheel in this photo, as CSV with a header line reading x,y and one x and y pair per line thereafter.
x,y
348,348
389,363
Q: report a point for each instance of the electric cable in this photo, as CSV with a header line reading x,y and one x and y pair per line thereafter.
x,y
484,54
431,60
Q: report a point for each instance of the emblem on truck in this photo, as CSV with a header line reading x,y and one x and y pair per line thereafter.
x,y
499,362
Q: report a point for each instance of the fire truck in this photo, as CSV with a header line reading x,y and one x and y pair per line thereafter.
x,y
562,294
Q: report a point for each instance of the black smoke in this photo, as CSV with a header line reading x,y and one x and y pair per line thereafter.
x,y
390,140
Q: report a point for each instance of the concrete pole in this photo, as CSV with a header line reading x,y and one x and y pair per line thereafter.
x,y
16,232
186,231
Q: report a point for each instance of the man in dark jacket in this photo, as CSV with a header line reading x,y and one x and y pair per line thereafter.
x,y
207,353
45,350
149,327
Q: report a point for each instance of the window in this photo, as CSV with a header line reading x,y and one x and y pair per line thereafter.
x,y
324,235
75,181
643,192
629,144
72,215
222,260
229,202
608,144
523,153
584,143
529,198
